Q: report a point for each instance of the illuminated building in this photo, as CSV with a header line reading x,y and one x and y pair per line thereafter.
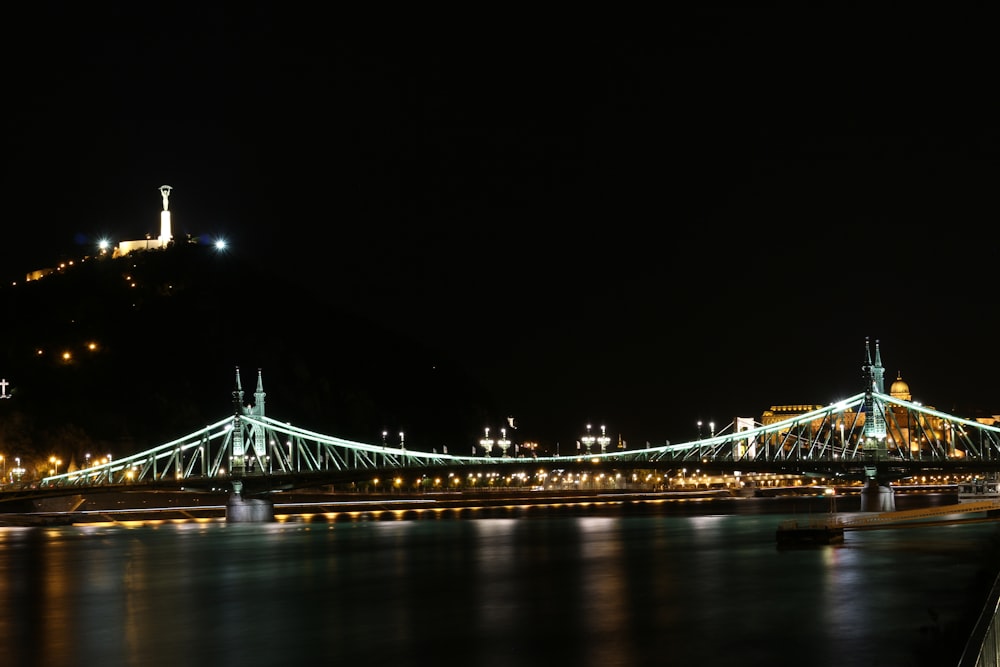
x,y
893,430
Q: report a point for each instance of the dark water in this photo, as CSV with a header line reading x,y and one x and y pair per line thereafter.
x,y
552,589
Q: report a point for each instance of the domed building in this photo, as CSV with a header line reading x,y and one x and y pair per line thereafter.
x,y
900,389
921,437
900,431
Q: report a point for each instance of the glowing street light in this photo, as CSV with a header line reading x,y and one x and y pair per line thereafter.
x,y
604,440
588,440
503,442
486,442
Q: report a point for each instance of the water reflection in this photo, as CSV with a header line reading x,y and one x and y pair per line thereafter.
x,y
547,589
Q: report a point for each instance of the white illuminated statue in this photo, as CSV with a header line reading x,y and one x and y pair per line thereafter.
x,y
165,193
165,234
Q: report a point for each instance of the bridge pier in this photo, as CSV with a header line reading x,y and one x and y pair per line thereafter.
x,y
247,510
877,498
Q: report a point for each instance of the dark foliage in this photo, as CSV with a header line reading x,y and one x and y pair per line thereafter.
x,y
169,327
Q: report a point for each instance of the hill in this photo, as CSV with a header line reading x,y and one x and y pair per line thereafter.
x,y
115,355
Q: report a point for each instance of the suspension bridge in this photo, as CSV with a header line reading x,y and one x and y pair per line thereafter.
x,y
872,436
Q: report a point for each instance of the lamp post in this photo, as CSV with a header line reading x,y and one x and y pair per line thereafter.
x,y
588,440
503,442
699,429
486,443
604,440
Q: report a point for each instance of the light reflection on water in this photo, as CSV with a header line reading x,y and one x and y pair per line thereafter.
x,y
582,590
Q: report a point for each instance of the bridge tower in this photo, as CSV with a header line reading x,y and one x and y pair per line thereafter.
x,y
876,496
238,508
238,466
258,438
257,410
874,428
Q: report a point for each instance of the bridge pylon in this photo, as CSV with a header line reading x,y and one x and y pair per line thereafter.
x,y
877,496
247,510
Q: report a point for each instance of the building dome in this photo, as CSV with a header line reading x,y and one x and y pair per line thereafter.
x,y
900,389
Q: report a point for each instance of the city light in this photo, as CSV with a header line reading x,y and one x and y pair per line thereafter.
x,y
486,443
603,441
503,442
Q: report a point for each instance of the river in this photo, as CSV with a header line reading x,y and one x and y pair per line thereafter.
x,y
669,585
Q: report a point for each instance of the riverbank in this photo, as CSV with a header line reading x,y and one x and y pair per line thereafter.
x,y
122,506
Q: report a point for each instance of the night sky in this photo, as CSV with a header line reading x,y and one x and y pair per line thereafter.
x,y
633,221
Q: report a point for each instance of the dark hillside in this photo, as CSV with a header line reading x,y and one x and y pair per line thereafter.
x,y
169,328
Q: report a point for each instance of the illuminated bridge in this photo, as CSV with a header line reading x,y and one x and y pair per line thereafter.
x,y
872,437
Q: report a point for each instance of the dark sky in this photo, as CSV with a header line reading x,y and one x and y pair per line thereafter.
x,y
632,221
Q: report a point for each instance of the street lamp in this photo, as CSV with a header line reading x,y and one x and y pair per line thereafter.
x,y
486,443
503,442
402,441
699,429
604,440
588,439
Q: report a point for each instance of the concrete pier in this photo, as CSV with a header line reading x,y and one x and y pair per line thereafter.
x,y
877,498
248,510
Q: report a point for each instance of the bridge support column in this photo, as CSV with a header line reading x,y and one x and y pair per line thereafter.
x,y
247,510
877,498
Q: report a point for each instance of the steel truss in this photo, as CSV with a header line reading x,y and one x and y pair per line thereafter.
x,y
913,434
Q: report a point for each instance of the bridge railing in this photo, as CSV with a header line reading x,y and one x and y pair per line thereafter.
x,y
983,647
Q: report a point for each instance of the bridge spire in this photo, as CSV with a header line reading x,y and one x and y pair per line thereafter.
x,y
238,464
258,396
874,428
879,372
874,372
866,367
238,394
